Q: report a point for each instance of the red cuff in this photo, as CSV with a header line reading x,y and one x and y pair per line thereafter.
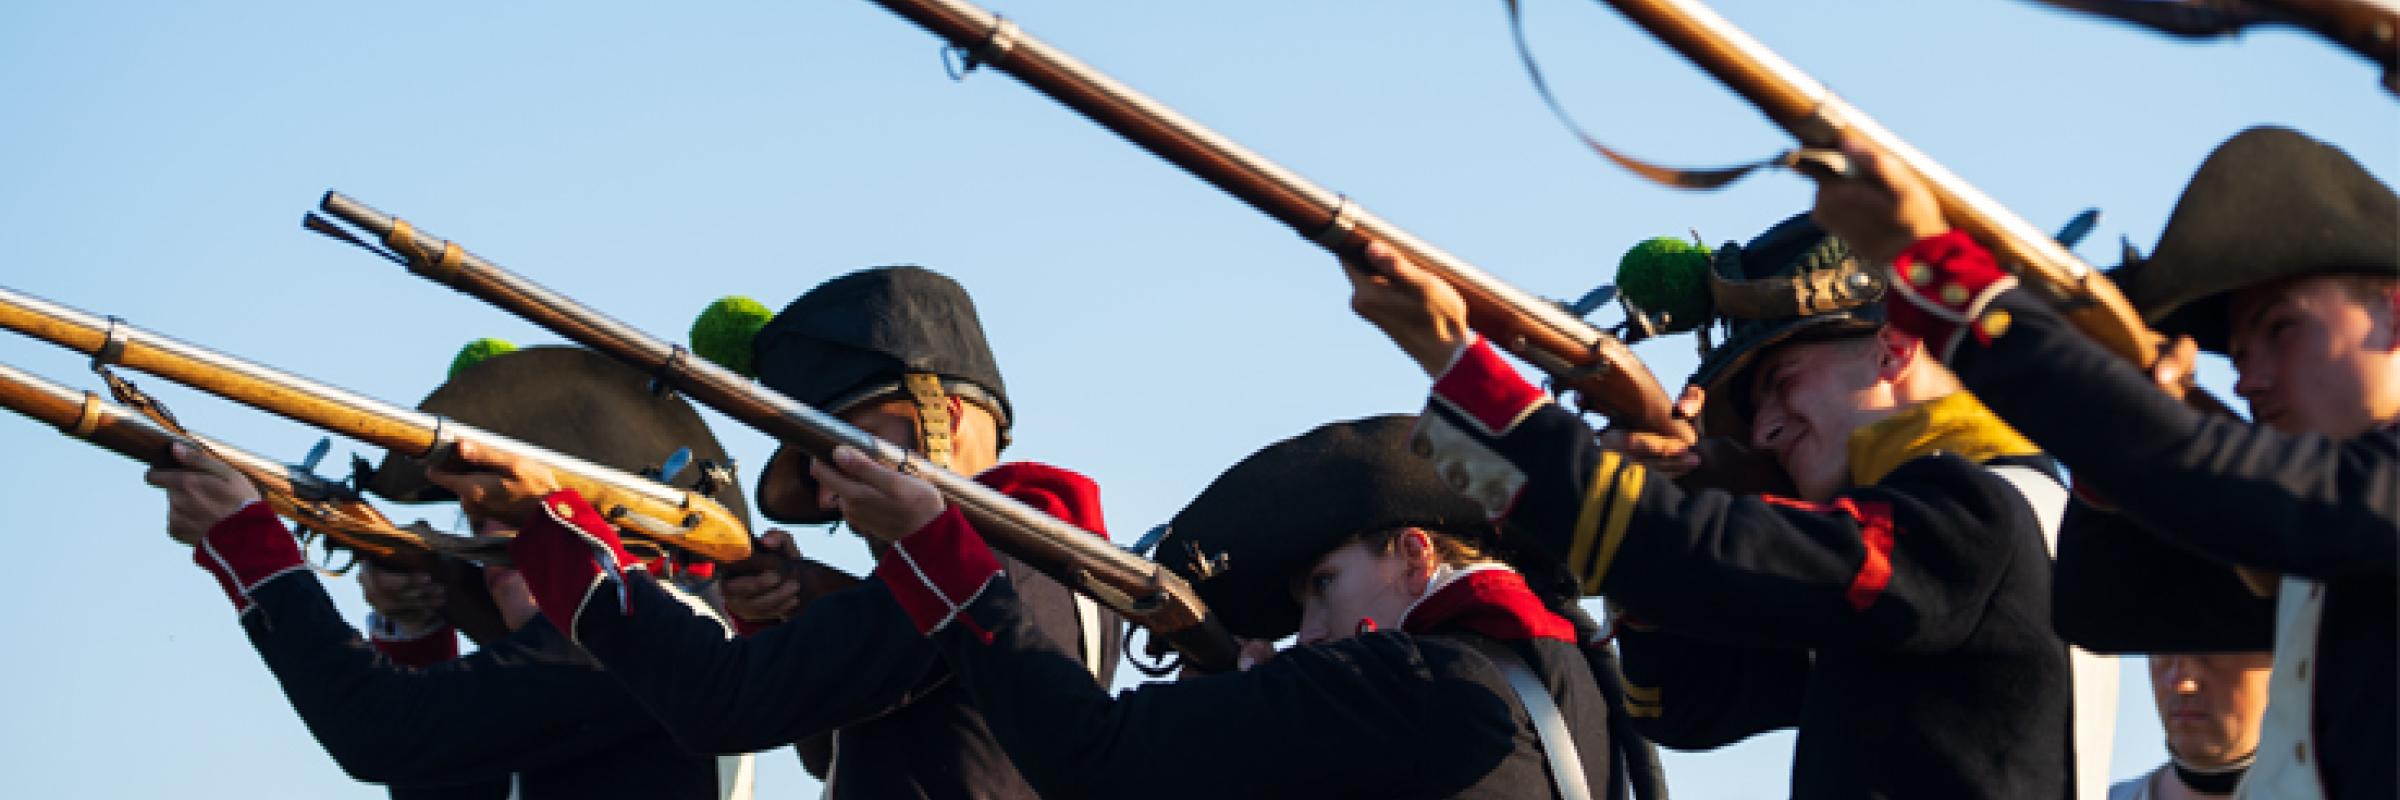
x,y
565,553
247,549
433,647
938,570
1483,388
1945,286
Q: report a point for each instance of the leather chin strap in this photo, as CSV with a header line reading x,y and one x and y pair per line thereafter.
x,y
934,420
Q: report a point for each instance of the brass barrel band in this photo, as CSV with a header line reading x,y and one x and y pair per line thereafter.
x,y
996,46
1338,231
88,419
112,346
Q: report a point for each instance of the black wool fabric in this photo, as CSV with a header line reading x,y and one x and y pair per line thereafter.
x,y
2267,205
872,326
850,665
1272,515
532,709
2296,504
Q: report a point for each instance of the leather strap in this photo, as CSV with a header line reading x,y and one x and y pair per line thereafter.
x,y
1549,724
933,415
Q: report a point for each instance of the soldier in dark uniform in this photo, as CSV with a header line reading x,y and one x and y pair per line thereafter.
x,y
900,352
2284,254
1425,668
1912,568
528,715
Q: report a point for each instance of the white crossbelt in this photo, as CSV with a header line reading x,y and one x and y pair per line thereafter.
x,y
1558,744
1087,617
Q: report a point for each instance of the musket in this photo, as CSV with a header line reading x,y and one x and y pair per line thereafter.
x,y
1607,377
1821,121
1136,588
2369,28
296,494
654,513
316,505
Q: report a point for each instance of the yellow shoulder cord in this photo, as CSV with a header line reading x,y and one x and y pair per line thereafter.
x,y
933,415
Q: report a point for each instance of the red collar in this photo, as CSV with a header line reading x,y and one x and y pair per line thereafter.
x,y
1487,599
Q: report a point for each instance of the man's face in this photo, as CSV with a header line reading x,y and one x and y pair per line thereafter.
x,y
1355,582
2211,703
2312,357
974,447
1809,397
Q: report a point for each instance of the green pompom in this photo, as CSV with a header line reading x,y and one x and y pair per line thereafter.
x,y
1667,276
477,352
724,330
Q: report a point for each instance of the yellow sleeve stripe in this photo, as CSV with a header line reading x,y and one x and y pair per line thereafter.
x,y
1620,516
1607,511
1587,521
1643,702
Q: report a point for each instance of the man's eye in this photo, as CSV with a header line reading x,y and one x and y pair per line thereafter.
x,y
1317,584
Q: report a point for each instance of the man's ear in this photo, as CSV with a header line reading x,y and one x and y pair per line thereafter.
x,y
1417,550
1894,352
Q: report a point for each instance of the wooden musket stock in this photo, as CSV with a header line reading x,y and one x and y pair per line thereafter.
x,y
1607,377
653,512
1818,119
1140,590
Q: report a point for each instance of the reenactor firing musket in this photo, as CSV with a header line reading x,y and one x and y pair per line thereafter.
x,y
1136,588
144,432
2370,28
1822,122
660,515
315,504
1606,376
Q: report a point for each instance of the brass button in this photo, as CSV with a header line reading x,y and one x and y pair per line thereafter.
x,y
1995,323
1919,274
565,510
1954,294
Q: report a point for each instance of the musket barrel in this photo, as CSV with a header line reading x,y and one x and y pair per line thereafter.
x,y
1609,378
1150,595
675,517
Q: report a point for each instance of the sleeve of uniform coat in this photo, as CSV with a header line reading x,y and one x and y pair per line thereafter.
x,y
1692,695
848,656
524,703
2302,504
1338,720
2119,589
1907,563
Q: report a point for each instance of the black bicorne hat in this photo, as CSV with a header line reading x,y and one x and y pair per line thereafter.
x,y
854,338
2268,204
572,401
1274,514
1792,283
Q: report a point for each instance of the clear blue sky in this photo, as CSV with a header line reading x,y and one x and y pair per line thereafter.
x,y
648,158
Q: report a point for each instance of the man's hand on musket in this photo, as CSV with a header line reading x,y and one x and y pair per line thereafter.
x,y
879,501
1420,312
201,492
1666,454
768,594
495,484
411,601
1880,208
